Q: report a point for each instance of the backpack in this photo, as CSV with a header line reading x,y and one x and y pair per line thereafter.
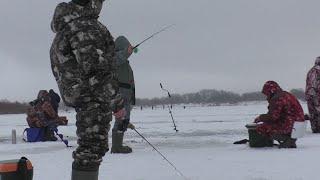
x,y
33,134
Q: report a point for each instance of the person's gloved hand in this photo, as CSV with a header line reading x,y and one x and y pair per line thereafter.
x,y
263,118
130,50
131,126
257,119
119,115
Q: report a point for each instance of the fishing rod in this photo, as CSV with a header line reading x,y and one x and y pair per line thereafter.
x,y
154,34
175,168
173,121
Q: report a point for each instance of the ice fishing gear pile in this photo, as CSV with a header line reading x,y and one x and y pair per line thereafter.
x,y
170,108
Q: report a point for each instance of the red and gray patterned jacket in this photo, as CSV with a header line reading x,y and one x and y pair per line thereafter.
x,y
283,110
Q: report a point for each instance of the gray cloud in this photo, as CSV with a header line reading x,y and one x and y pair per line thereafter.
x,y
230,44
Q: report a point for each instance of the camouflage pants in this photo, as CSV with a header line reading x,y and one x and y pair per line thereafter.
x,y
93,124
314,117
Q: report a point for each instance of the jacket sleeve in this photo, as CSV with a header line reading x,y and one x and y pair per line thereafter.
x,y
49,111
117,101
133,90
275,108
55,96
121,57
96,59
58,99
311,85
89,56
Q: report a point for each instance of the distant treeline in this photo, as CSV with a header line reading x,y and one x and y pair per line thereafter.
x,y
7,107
211,96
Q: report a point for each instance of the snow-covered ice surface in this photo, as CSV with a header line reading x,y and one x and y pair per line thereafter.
x,y
201,150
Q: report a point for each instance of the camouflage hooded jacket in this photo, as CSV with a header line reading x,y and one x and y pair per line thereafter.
x,y
82,54
313,83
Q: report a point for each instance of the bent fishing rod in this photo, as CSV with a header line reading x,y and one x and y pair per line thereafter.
x,y
170,111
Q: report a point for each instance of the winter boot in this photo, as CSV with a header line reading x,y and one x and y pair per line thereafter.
x,y
84,175
117,140
315,126
285,141
288,143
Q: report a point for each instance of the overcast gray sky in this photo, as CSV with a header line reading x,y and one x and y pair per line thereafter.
x,y
233,45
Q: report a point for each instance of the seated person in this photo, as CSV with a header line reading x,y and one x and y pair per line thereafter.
x,y
41,114
283,110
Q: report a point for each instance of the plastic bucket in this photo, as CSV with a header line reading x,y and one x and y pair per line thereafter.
x,y
257,140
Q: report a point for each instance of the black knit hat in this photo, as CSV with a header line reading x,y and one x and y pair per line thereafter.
x,y
81,2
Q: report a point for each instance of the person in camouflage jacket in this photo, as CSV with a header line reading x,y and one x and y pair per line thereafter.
x,y
83,64
312,94
283,110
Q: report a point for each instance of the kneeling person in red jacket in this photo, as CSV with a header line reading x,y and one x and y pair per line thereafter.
x,y
283,110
